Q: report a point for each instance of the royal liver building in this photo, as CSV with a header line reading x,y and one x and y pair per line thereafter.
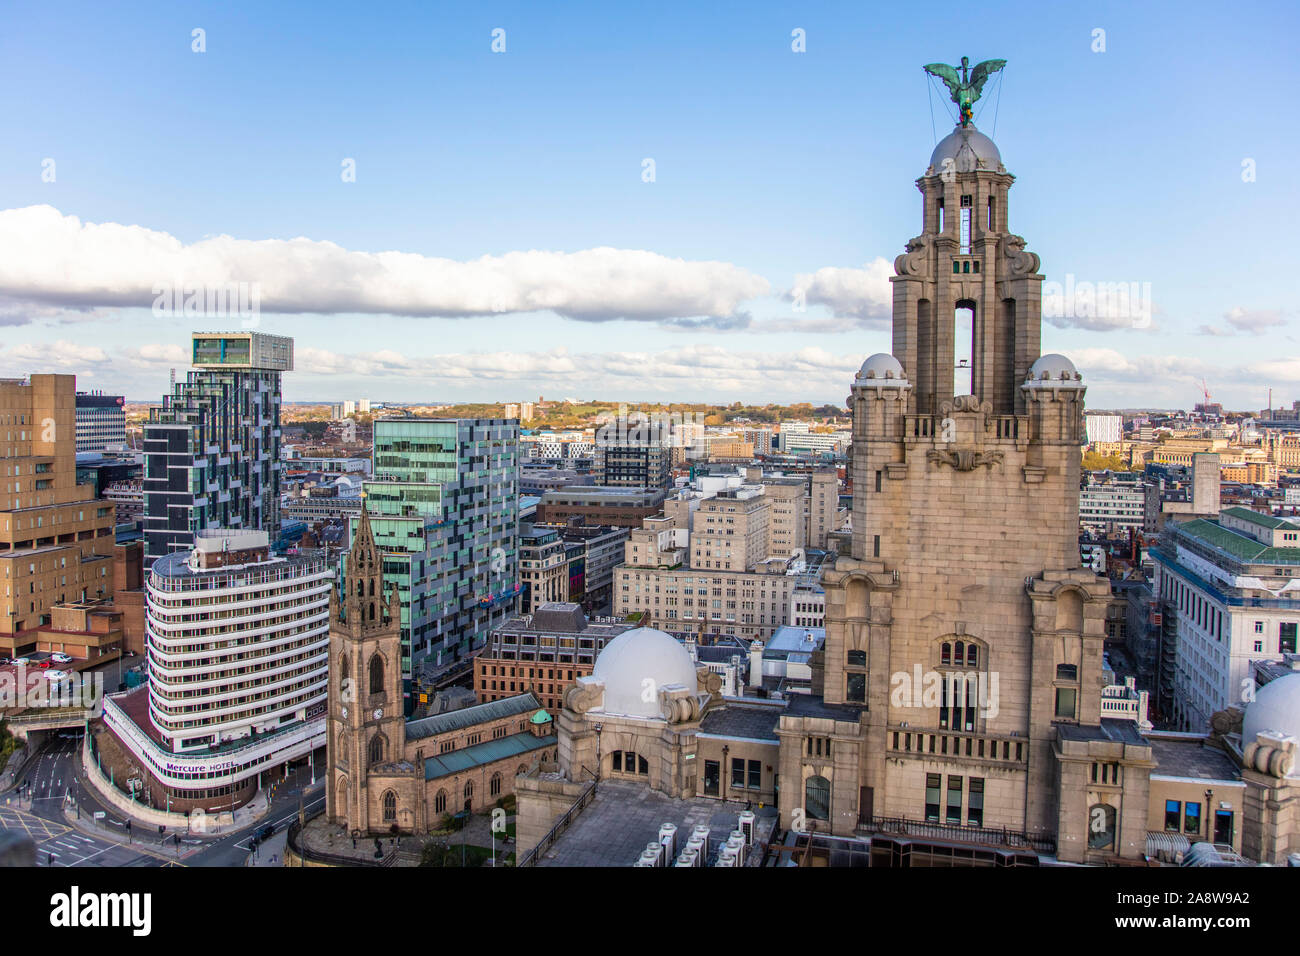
x,y
962,674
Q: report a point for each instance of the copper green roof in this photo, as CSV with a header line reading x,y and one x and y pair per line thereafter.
x,y
1236,544
467,716
541,717
490,751
1254,517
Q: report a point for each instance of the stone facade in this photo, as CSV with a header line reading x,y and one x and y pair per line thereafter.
x,y
964,577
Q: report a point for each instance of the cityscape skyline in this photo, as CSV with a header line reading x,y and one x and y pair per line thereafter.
x,y
550,200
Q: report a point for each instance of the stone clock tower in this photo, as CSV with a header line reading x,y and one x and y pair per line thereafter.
x,y
961,676
366,725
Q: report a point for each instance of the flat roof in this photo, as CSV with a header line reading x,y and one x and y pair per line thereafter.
x,y
1180,757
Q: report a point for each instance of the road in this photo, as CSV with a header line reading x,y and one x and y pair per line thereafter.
x,y
35,807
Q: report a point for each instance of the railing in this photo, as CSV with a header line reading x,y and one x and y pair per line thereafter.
x,y
959,833
294,832
553,834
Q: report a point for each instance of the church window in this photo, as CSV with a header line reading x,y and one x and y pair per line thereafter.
x,y
440,802
376,752
469,789
494,785
390,807
376,674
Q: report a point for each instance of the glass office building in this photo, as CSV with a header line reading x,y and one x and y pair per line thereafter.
x,y
444,509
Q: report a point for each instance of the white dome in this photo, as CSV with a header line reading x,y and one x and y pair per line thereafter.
x,y
636,665
969,150
1276,708
882,365
1054,369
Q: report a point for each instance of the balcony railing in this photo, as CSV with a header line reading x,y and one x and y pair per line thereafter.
x,y
958,833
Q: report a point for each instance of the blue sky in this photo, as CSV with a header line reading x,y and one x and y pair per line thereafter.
x,y
770,164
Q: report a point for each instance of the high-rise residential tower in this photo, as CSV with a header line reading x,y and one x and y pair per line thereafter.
x,y
212,451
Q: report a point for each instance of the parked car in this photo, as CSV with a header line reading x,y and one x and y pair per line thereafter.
x,y
4,661
61,658
21,660
47,663
54,676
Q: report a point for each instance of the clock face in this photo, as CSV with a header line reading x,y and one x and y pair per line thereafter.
x,y
379,712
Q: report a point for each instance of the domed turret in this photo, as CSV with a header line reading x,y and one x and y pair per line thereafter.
x,y
1053,371
969,150
882,369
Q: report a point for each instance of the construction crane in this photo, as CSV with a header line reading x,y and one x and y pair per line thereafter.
x,y
1206,391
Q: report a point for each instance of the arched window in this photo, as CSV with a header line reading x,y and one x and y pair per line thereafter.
x,y
817,798
945,653
523,768
390,807
343,666
376,751
361,589
494,786
972,656
1101,827
376,675
469,789
440,802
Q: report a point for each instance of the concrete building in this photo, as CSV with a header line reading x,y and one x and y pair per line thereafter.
x,y
56,539
101,422
1227,590
1112,501
237,679
1106,429
598,504
444,509
212,451
543,567
632,464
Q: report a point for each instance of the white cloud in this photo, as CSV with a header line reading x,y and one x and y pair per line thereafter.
x,y
53,259
862,294
57,356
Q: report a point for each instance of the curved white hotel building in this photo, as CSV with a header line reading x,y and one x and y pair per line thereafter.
x,y
238,668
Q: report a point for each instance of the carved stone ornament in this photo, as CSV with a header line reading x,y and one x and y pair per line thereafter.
x,y
912,262
1021,262
964,459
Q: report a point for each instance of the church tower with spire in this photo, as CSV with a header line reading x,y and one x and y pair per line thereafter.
x,y
961,675
366,724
